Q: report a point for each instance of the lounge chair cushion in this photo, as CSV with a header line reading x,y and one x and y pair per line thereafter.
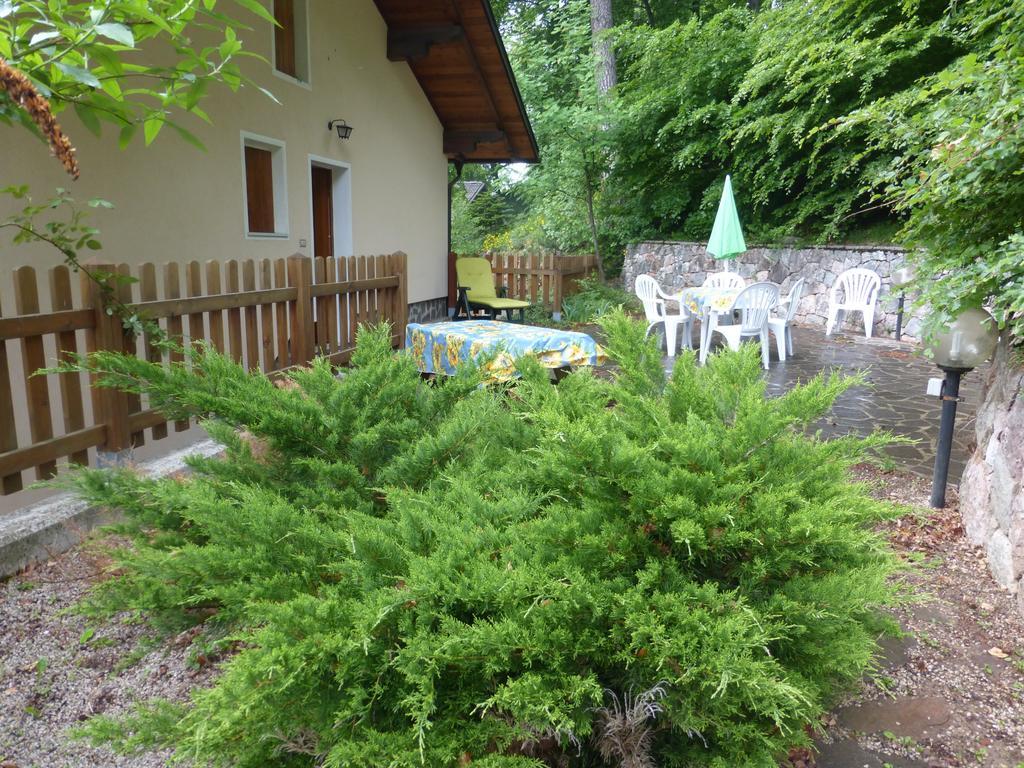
x,y
498,303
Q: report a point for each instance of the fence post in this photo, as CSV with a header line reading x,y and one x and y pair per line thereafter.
x,y
402,314
110,405
300,277
556,279
453,287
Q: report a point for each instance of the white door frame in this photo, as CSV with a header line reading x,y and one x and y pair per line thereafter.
x,y
341,174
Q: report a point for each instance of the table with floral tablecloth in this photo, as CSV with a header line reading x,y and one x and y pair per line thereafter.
x,y
439,347
703,301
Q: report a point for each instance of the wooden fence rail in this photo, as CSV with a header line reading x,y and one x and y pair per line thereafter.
x,y
543,279
268,315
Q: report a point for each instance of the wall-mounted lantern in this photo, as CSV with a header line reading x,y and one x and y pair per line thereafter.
x,y
344,129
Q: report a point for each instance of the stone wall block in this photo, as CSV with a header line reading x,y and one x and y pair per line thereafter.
x,y
992,490
1007,463
1001,563
975,501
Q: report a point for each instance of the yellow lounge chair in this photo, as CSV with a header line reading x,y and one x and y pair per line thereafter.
x,y
476,290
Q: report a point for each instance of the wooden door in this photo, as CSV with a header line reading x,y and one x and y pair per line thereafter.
x,y
323,211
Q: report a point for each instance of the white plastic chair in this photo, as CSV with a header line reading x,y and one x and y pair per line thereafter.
x,y
653,299
754,306
780,324
859,288
724,280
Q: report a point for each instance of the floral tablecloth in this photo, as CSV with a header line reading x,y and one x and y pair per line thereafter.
x,y
701,301
440,347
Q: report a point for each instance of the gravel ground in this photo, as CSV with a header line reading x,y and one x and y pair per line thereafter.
x,y
962,661
951,692
57,668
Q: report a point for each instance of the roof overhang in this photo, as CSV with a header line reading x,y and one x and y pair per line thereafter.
x,y
455,51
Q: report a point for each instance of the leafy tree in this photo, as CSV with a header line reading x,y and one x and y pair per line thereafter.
x,y
467,236
97,58
553,48
489,215
814,62
752,95
675,105
656,572
957,140
86,55
720,87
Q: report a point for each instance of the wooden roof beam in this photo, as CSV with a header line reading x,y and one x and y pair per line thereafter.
x,y
412,43
458,142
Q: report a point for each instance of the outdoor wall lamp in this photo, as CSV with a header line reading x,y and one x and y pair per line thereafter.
x,y
969,341
900,279
344,129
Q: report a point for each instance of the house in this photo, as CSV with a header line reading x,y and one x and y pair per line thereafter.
x,y
473,189
420,83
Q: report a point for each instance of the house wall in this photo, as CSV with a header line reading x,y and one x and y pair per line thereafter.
x,y
679,265
176,202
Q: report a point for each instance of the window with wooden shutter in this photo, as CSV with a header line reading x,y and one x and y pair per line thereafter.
x,y
284,37
259,189
266,196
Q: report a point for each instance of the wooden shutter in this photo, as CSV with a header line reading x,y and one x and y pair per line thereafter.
x,y
284,37
259,189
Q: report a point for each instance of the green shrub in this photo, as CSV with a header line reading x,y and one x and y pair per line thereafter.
x,y
403,574
594,299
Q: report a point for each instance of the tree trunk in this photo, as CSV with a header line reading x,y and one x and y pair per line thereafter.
x,y
754,5
650,13
593,229
600,24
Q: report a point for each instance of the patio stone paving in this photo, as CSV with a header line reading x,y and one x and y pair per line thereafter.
x,y
895,399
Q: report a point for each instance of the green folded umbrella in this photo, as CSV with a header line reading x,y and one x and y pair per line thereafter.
x,y
727,235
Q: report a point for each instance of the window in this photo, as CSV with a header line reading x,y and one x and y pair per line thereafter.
x,y
291,39
266,201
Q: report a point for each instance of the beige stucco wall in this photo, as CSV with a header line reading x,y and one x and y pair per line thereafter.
x,y
175,202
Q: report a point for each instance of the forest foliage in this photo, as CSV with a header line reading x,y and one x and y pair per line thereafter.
x,y
836,118
635,571
710,89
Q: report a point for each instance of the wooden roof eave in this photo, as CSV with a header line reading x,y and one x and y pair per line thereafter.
x,y
454,50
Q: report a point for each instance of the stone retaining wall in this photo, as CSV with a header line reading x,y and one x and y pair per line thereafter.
x,y
429,311
678,265
992,488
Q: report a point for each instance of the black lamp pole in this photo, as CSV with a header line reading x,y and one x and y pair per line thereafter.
x,y
950,397
899,316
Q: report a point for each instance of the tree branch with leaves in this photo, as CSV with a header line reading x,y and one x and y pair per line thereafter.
x,y
98,58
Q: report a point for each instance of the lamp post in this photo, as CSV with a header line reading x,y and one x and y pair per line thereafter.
x,y
900,279
968,342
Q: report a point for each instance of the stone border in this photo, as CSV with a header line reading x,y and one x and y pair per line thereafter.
x,y
429,310
992,488
40,531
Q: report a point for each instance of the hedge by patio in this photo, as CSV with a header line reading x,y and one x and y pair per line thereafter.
x,y
630,573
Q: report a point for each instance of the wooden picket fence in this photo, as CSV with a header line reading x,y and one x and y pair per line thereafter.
x,y
269,315
543,279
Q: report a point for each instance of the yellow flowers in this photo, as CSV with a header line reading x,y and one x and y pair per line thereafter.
x,y
419,343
